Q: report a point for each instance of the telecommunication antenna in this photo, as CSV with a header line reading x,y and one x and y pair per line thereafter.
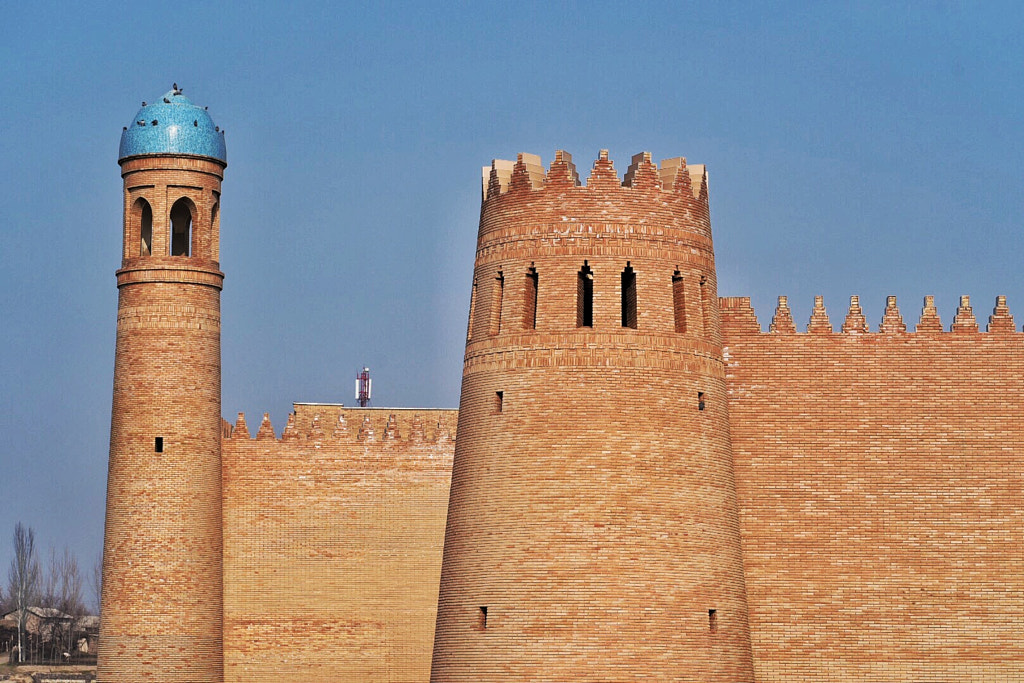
x,y
363,387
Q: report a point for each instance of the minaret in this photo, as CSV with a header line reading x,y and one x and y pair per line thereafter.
x,y
162,551
592,529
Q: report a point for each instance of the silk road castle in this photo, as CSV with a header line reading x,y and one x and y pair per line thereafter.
x,y
801,503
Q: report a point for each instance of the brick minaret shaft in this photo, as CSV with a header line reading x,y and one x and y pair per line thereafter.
x,y
592,528
162,559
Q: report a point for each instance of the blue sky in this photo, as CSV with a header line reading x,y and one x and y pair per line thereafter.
x,y
864,148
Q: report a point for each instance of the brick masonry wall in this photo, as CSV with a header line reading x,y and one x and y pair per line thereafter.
x,y
332,551
593,513
880,486
161,601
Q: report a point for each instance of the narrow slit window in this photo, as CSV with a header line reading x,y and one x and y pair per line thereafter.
x,y
629,297
705,311
700,400
679,302
472,311
499,295
181,228
530,300
158,444
481,618
499,401
585,297
713,620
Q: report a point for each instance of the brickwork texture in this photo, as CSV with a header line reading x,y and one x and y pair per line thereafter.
x,y
162,580
332,551
640,484
880,485
592,528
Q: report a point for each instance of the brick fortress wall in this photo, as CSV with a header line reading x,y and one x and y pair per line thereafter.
x,y
879,476
333,538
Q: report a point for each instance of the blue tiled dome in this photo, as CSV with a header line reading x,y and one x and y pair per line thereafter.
x,y
173,125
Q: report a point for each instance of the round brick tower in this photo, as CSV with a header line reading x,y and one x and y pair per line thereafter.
x,y
592,529
162,575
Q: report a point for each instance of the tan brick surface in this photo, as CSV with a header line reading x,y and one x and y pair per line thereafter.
x,y
849,503
161,602
332,549
880,487
594,516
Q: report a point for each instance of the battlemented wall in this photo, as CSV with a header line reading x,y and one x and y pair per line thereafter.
x,y
879,476
332,544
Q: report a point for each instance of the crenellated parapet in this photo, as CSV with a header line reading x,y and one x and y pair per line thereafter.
x,y
662,197
527,172
332,424
738,317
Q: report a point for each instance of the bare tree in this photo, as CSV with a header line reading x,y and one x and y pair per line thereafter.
x,y
96,583
23,578
69,592
61,598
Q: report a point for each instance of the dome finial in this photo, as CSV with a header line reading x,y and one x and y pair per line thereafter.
x,y
176,89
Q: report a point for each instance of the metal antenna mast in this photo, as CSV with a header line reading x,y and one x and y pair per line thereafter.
x,y
363,386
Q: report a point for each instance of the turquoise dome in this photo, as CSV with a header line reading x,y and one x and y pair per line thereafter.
x,y
173,125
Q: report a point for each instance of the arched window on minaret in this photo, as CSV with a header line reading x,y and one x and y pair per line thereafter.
x,y
214,248
142,224
585,297
181,228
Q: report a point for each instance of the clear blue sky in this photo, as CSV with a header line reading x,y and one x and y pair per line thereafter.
x,y
870,149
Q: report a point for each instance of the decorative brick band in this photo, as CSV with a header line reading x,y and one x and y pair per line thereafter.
x,y
166,316
193,275
558,235
588,349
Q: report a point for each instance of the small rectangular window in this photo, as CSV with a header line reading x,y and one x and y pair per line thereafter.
x,y
499,400
481,618
700,400
158,445
713,620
